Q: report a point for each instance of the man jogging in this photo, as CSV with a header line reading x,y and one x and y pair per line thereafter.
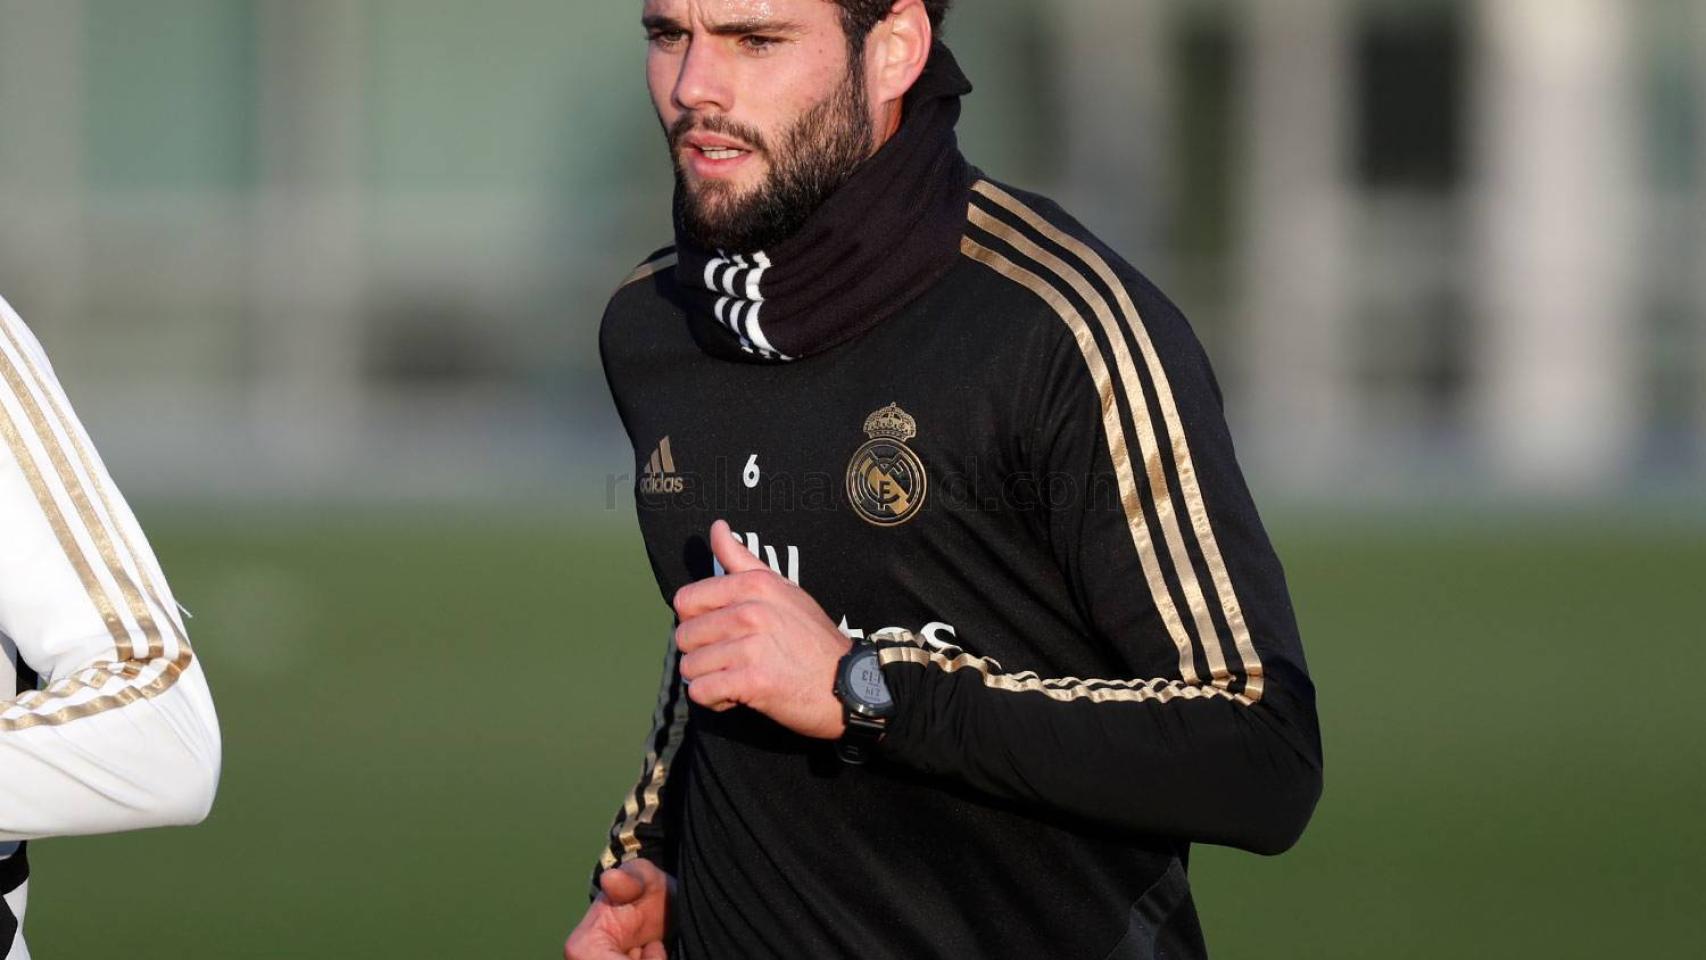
x,y
992,634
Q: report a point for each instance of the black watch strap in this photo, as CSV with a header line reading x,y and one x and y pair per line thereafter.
x,y
859,742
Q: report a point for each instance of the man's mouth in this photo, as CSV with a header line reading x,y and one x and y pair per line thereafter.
x,y
714,148
712,157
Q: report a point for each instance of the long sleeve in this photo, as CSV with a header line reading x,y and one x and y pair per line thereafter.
x,y
119,731
643,827
1205,731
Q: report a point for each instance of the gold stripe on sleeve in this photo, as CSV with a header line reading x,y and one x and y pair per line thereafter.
x,y
61,530
42,716
1160,490
94,474
666,762
1064,690
1196,505
641,805
79,497
46,709
1115,433
91,678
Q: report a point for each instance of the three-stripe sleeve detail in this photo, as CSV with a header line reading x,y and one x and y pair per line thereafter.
x,y
151,577
1064,272
645,800
70,489
904,647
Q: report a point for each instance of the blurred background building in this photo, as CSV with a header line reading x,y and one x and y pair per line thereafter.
x,y
359,248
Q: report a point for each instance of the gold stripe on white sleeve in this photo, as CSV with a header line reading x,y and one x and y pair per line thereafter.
x,y
148,574
139,656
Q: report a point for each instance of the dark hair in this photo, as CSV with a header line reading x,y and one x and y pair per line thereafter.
x,y
859,17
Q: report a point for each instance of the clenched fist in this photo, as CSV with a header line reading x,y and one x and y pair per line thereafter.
x,y
752,638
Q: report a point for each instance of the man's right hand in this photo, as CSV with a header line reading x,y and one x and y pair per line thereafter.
x,y
630,918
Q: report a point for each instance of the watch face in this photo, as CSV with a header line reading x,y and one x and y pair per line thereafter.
x,y
864,681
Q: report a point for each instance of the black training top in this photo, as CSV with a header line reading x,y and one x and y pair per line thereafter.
x,y
1025,469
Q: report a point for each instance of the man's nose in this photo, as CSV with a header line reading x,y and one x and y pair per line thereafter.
x,y
704,81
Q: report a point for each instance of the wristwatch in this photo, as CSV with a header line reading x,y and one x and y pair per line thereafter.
x,y
866,704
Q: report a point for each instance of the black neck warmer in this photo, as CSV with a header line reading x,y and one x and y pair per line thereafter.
x,y
882,239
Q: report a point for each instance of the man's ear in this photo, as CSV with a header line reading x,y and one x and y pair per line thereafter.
x,y
897,50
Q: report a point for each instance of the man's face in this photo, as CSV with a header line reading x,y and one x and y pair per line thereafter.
x,y
765,111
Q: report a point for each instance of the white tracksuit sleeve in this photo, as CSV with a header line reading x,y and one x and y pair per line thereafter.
x,y
120,732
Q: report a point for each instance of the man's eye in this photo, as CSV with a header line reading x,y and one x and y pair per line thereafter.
x,y
758,43
667,38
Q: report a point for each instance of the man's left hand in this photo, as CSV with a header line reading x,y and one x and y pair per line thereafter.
x,y
752,638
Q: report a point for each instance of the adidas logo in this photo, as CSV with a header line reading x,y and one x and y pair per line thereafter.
x,y
659,479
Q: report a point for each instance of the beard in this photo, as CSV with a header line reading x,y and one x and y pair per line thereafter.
x,y
817,154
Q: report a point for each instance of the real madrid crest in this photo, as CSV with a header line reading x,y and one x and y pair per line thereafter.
x,y
886,481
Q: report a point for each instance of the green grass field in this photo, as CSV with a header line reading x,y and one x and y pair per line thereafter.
x,y
429,722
